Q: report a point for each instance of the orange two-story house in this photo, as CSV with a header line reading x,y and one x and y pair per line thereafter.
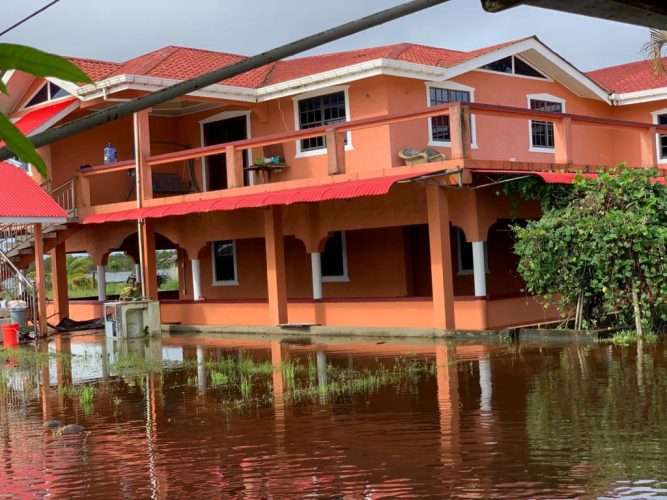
x,y
298,193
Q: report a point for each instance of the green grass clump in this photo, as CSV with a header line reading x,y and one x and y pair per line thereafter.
x,y
219,379
628,337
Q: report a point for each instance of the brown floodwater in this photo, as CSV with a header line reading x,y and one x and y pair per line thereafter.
x,y
260,417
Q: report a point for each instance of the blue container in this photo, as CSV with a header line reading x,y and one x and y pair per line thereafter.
x,y
109,154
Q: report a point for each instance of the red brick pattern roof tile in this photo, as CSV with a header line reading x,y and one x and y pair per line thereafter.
x,y
182,63
631,77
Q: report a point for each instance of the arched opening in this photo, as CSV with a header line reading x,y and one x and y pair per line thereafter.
x,y
167,259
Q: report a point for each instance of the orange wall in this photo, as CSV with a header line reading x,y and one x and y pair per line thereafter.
x,y
501,138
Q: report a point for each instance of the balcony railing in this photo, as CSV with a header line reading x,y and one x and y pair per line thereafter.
x,y
459,150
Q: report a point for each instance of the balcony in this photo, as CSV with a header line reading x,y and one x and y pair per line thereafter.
x,y
580,143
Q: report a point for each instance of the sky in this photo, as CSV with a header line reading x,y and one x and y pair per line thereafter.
x,y
122,29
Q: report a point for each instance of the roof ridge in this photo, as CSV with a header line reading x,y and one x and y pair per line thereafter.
x,y
639,61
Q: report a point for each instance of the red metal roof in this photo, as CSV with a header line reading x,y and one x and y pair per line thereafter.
x,y
30,122
332,191
22,200
631,77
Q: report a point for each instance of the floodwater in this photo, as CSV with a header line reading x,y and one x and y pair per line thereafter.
x,y
257,417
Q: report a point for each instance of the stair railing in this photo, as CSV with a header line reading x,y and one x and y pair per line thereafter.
x,y
16,286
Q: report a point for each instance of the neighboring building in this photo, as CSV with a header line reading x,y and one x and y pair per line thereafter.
x,y
340,232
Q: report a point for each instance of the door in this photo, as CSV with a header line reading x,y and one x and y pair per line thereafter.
x,y
218,132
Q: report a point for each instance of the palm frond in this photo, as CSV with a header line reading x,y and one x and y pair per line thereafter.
x,y
653,50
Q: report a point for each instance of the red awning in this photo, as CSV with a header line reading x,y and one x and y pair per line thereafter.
x,y
42,118
23,201
552,177
332,191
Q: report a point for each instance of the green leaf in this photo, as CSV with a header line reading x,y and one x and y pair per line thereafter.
x,y
38,63
3,87
20,145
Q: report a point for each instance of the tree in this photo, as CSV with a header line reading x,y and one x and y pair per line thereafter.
x,y
37,63
603,251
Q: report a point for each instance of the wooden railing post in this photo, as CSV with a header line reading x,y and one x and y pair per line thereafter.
x,y
142,150
459,131
234,167
83,188
335,151
563,140
648,147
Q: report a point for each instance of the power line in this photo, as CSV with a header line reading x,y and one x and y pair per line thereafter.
x,y
39,11
202,81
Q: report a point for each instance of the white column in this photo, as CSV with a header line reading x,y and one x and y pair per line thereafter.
x,y
479,268
201,369
316,264
485,384
137,272
322,375
101,283
196,279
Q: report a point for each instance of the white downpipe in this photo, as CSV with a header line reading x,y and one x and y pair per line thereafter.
x,y
196,279
137,272
479,268
137,190
201,369
101,283
316,264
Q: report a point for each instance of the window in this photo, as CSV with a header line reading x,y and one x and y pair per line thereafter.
x,y
318,110
542,132
334,258
224,262
439,132
513,65
26,167
47,92
464,250
660,118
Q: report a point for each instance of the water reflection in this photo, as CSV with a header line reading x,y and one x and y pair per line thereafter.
x,y
259,417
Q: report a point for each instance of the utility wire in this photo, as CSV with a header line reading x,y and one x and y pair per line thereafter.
x,y
39,11
202,81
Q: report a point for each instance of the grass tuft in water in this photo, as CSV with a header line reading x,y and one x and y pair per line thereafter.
x,y
626,338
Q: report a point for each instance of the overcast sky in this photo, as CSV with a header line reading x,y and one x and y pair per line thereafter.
x,y
123,29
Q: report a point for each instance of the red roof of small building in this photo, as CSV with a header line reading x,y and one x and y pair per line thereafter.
x,y
630,77
182,63
23,201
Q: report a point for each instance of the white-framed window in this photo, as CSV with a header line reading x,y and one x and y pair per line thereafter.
x,y
223,255
660,118
464,251
438,126
541,133
321,107
26,167
514,65
334,258
49,91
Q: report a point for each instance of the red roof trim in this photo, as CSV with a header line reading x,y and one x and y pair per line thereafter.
x,y
32,121
311,194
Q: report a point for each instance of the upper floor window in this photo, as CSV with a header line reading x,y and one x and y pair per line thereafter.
x,y
660,118
439,132
318,110
513,65
224,262
334,258
26,167
542,132
47,92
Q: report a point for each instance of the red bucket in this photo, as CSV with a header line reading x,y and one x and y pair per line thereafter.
x,y
10,335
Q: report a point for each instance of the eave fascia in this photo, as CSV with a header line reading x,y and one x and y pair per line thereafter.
x,y
639,97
